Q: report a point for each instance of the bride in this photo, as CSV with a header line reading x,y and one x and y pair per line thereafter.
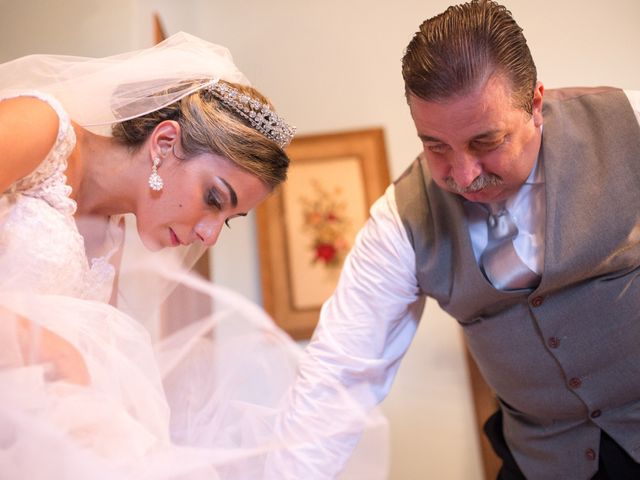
x,y
87,391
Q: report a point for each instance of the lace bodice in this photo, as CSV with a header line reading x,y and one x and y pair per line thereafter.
x,y
41,249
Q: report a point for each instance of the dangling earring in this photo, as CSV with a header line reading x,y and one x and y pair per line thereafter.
x,y
155,180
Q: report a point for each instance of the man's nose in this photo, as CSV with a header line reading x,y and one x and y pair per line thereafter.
x,y
465,168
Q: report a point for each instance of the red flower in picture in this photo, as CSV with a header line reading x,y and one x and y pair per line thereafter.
x,y
325,221
325,252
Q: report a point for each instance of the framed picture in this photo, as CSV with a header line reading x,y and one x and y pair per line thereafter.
x,y
309,225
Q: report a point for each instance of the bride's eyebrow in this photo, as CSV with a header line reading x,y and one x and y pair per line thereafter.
x,y
232,193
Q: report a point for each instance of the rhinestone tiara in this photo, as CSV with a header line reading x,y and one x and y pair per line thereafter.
x,y
259,115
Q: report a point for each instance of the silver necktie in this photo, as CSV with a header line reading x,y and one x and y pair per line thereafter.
x,y
500,262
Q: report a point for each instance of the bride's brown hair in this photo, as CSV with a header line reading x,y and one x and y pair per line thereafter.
x,y
209,126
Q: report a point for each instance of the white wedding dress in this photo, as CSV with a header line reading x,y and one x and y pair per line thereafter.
x,y
197,404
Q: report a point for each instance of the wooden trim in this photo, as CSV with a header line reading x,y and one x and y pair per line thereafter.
x,y
485,405
159,33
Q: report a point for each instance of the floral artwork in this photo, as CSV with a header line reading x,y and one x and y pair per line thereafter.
x,y
325,205
326,223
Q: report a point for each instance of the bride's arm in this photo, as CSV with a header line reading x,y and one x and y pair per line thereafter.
x,y
38,345
28,130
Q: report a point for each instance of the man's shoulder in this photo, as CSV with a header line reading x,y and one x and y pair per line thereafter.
x,y
605,102
412,169
571,93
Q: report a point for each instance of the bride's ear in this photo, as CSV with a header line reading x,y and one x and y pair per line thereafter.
x,y
164,138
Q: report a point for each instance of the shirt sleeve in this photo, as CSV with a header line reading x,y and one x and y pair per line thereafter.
x,y
364,330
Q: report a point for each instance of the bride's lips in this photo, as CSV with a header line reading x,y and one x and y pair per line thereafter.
x,y
175,241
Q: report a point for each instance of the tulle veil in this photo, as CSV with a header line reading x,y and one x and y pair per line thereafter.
x,y
198,402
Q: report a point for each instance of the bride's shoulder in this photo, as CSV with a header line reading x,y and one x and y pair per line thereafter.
x,y
30,127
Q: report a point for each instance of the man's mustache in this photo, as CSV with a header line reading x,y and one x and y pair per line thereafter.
x,y
482,181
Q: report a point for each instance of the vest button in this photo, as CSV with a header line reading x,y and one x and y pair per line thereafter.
x,y
553,342
575,382
596,413
536,301
590,454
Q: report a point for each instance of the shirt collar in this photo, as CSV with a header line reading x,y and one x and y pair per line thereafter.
x,y
536,175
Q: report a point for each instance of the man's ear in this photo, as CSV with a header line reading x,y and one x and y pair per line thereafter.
x,y
538,94
164,138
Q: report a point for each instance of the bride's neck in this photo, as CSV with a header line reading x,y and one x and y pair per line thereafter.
x,y
101,173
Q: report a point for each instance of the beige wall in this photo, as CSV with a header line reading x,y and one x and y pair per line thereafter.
x,y
335,65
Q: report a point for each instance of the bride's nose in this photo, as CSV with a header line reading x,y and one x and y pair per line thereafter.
x,y
208,231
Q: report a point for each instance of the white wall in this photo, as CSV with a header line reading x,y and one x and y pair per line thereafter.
x,y
65,27
335,65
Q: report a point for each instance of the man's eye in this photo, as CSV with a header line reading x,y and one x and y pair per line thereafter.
x,y
437,148
487,145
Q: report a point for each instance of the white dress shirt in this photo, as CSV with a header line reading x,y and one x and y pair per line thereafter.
x,y
367,325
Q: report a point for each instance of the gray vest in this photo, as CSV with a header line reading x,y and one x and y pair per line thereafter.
x,y
564,359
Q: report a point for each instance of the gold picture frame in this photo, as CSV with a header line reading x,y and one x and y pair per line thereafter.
x,y
307,227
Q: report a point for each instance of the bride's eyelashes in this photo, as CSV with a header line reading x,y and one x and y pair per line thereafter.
x,y
216,195
213,198
226,222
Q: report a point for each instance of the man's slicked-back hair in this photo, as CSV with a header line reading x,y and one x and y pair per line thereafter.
x,y
458,50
